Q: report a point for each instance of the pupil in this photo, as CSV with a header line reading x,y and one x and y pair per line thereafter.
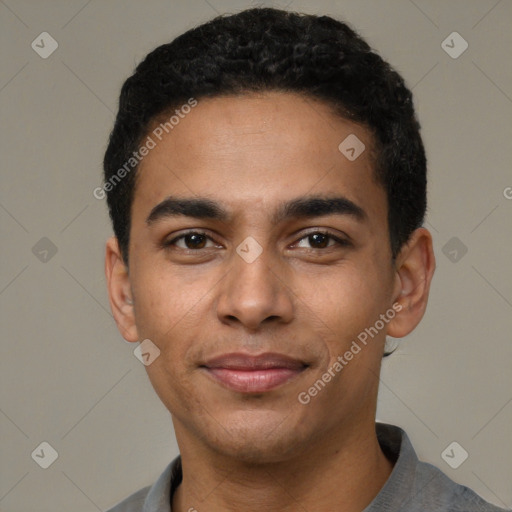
x,y
315,238
195,237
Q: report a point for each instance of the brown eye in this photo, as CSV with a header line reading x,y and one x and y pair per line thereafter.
x,y
193,240
320,240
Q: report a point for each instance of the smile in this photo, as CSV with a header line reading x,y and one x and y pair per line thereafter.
x,y
253,374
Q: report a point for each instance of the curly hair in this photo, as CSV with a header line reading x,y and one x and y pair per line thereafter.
x,y
265,49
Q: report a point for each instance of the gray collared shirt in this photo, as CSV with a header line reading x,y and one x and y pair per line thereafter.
x,y
413,486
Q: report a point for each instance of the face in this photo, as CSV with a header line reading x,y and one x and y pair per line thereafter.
x,y
253,293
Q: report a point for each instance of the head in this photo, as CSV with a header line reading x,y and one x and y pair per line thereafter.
x,y
291,154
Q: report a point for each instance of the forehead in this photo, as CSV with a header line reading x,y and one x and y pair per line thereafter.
x,y
257,150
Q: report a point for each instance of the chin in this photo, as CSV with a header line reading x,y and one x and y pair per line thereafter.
x,y
257,451
258,440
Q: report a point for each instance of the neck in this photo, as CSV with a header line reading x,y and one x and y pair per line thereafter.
x,y
348,470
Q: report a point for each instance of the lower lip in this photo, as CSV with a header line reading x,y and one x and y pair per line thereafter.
x,y
252,381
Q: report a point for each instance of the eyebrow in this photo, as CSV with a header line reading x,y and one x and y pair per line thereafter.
x,y
302,207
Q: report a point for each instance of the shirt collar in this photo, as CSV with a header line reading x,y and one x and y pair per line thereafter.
x,y
158,498
398,487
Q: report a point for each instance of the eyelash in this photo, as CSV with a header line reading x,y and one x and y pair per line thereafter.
x,y
340,241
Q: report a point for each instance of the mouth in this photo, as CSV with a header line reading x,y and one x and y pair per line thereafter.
x,y
253,374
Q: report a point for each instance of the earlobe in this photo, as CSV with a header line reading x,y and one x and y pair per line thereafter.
x,y
415,267
119,291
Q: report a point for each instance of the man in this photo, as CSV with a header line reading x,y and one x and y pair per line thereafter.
x,y
266,181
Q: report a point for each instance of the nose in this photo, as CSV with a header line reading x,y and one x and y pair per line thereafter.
x,y
254,293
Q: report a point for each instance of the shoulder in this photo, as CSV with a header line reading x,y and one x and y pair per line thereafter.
x,y
132,503
156,497
416,486
435,491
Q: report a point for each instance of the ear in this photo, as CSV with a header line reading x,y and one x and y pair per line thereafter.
x,y
119,291
414,268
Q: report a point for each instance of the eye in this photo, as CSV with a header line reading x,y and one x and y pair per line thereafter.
x,y
193,240
196,240
320,240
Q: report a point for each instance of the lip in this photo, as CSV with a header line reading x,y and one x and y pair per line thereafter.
x,y
253,374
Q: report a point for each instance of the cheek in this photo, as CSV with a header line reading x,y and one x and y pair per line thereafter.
x,y
171,311
353,294
350,302
164,299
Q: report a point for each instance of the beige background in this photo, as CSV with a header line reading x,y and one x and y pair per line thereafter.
x,y
67,376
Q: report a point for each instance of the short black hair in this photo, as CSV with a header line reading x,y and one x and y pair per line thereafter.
x,y
265,49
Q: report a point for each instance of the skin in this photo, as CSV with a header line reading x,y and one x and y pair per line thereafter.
x,y
267,451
